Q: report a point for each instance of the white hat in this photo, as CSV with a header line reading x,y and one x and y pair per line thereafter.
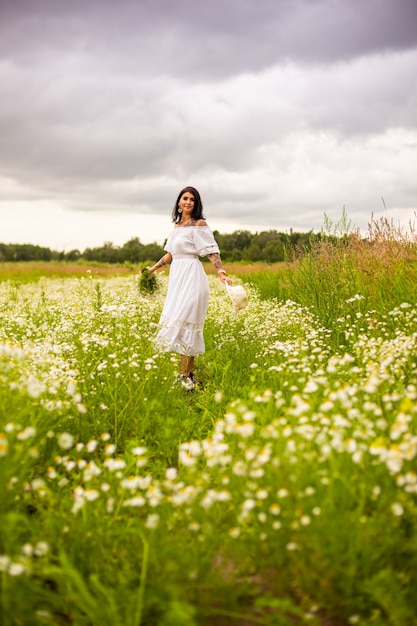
x,y
238,296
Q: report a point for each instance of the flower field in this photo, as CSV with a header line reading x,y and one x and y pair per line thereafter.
x,y
282,491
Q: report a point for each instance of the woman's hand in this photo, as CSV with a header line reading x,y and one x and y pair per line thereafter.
x,y
225,278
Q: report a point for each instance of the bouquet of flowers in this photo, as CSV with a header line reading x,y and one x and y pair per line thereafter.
x,y
147,281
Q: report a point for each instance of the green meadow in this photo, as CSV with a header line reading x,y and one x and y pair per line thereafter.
x,y
281,491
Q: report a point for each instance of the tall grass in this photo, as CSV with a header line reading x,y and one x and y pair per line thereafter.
x,y
282,491
380,268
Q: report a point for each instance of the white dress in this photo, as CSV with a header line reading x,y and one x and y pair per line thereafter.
x,y
184,313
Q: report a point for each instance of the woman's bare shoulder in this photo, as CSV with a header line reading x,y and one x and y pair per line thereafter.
x,y
201,223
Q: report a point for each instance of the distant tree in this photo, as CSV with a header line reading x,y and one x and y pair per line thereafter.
x,y
253,252
131,251
29,252
4,252
72,255
151,251
270,246
106,253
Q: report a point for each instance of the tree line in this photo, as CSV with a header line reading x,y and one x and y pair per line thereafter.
x,y
268,246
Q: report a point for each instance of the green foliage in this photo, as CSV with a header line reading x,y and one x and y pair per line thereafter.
x,y
25,252
282,490
269,246
147,281
341,271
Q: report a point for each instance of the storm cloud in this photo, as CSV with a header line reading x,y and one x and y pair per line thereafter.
x,y
278,111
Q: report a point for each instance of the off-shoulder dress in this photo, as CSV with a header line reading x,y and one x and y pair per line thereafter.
x,y
182,320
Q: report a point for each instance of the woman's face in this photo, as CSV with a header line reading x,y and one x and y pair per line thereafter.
x,y
186,203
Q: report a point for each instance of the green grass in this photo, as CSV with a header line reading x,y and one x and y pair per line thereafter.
x,y
32,271
282,491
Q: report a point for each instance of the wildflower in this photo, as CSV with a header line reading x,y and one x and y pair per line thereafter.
x,y
257,472
183,495
397,509
27,549
223,495
394,461
305,520
193,447
248,505
71,387
51,473
136,482
28,432
16,569
376,491
91,494
65,441
351,445
91,445
35,387
244,430
91,470
152,520
311,387
171,473
134,502
239,468
139,451
79,502
208,499
185,458
38,484
41,548
4,562
234,532
326,406
114,464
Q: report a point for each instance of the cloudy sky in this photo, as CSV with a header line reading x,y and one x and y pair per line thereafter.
x,y
278,111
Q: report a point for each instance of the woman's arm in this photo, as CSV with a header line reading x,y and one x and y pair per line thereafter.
x,y
217,262
164,260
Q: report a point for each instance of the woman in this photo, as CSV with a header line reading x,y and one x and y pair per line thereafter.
x,y
185,308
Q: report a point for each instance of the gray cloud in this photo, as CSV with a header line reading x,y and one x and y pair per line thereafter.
x,y
203,40
111,106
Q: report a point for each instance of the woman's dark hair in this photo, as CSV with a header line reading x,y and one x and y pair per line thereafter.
x,y
197,213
